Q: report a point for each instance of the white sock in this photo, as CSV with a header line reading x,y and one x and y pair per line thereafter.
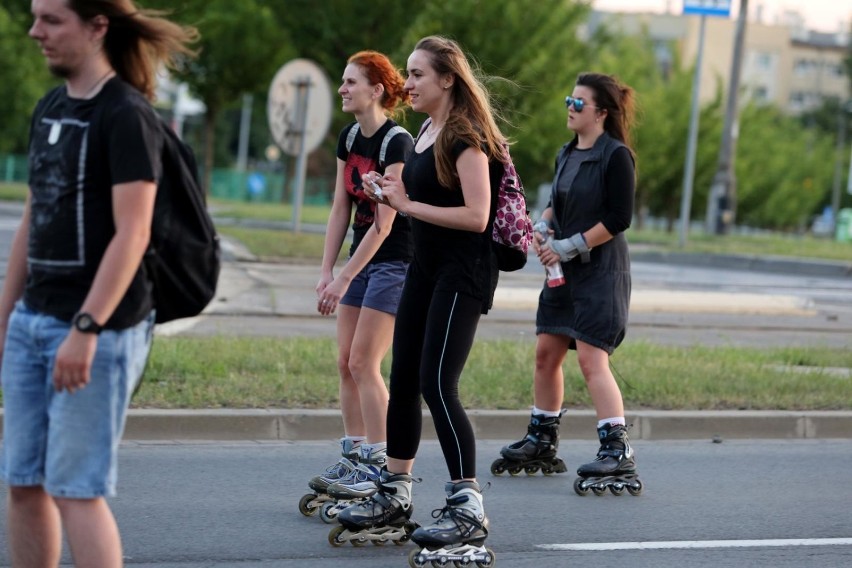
x,y
356,440
612,421
549,413
367,449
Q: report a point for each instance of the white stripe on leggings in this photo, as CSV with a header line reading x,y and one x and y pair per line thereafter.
x,y
441,390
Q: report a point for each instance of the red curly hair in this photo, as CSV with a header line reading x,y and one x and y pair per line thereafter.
x,y
378,69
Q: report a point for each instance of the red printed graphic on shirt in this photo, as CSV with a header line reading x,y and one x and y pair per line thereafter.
x,y
365,208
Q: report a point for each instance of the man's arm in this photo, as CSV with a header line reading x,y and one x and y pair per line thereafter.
x,y
133,208
16,274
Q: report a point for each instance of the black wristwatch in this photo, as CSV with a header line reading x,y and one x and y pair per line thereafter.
x,y
85,323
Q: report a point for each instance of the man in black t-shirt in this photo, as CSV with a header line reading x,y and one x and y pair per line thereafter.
x,y
76,314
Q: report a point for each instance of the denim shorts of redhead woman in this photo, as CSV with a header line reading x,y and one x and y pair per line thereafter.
x,y
67,443
378,286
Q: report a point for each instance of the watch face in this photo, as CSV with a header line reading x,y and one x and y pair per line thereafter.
x,y
84,322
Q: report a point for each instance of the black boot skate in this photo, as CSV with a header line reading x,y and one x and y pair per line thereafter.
x,y
310,503
385,516
536,451
458,535
614,467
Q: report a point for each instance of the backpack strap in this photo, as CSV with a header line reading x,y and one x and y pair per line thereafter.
x,y
390,134
350,138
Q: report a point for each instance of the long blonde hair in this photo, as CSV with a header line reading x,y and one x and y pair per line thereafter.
x,y
471,116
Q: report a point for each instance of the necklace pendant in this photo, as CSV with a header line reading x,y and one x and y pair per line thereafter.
x,y
55,131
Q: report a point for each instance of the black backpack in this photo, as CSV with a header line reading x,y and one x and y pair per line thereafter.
x,y
183,260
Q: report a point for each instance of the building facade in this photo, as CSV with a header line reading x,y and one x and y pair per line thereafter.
x,y
783,64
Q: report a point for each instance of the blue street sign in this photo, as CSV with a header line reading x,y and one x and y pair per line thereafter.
x,y
707,7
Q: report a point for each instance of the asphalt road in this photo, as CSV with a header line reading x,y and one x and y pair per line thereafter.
x,y
779,504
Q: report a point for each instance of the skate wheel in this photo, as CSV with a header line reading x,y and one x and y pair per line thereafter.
x,y
491,562
598,490
616,489
579,488
380,542
415,560
498,467
305,505
557,466
635,490
515,470
531,469
335,537
328,513
407,528
358,542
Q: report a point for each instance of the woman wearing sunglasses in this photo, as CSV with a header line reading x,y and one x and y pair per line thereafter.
x,y
583,228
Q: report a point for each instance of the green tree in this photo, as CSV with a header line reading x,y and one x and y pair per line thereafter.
x,y
23,78
537,47
240,49
330,31
781,181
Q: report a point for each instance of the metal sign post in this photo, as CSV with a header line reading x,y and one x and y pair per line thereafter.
x,y
701,8
303,85
299,112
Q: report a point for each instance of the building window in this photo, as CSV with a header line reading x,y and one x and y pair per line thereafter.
x,y
763,61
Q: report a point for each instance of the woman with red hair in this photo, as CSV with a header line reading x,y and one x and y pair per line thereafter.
x,y
365,292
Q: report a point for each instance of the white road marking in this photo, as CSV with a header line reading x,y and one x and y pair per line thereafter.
x,y
698,544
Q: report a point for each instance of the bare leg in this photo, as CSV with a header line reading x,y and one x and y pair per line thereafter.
x,y
92,533
35,529
606,396
350,400
550,351
370,344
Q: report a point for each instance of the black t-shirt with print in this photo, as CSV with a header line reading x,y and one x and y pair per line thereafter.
x,y
363,157
78,150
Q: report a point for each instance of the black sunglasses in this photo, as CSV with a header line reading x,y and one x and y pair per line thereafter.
x,y
578,104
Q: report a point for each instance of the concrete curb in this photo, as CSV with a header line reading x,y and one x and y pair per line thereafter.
x,y
767,264
303,425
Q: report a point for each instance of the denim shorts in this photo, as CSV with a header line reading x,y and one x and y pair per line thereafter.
x,y
378,286
67,443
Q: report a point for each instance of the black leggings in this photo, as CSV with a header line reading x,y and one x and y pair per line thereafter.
x,y
433,336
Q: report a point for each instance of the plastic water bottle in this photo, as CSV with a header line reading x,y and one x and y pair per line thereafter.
x,y
555,277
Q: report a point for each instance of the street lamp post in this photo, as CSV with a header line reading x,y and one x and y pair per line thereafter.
x,y
702,8
721,204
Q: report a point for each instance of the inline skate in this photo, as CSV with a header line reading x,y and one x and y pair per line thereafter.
x,y
614,467
356,486
458,535
384,517
537,450
310,503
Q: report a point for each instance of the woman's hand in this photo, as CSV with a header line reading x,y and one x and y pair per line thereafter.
x,y
547,256
372,183
392,190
